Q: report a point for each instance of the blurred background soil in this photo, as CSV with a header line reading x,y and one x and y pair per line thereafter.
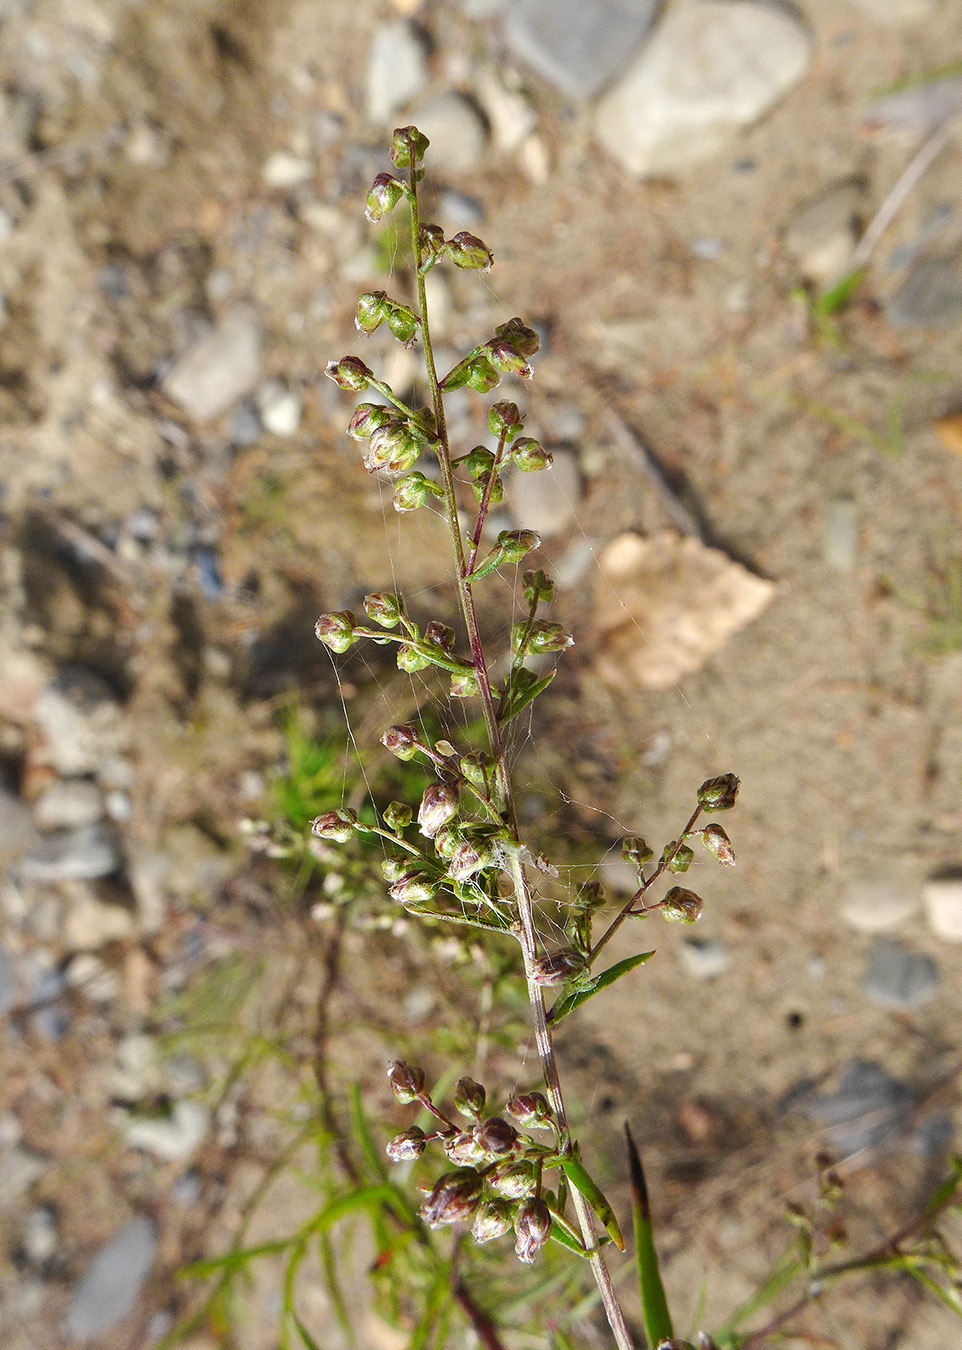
x,y
181,247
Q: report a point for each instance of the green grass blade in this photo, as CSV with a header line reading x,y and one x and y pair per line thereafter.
x,y
574,1170
786,1270
374,1157
654,1304
568,1002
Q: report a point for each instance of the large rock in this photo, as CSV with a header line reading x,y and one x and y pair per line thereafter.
x,y
710,68
397,70
578,45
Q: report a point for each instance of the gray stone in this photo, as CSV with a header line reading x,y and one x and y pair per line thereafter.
x,y
897,977
711,68
919,108
942,898
705,958
39,1237
869,1107
397,70
90,922
929,297
280,408
823,232
109,1288
840,534
172,1137
20,1168
578,45
17,831
456,130
219,368
9,981
546,501
81,854
81,721
877,904
68,803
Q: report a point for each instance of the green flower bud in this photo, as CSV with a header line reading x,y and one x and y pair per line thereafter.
x,y
384,608
395,865
540,637
532,1227
718,794
403,323
469,1097
514,1180
349,373
415,887
480,487
530,1109
373,307
397,817
463,1149
465,685
407,1081
514,544
504,356
636,851
561,965
446,841
336,630
537,586
681,906
475,767
505,418
439,635
386,191
454,1199
496,1136
519,335
466,250
408,1145
438,805
392,448
402,740
481,375
413,491
339,826
368,418
718,844
681,859
408,147
430,246
591,896
492,1219
479,461
530,455
466,860
410,660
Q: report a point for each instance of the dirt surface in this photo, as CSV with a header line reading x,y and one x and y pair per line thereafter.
x,y
132,174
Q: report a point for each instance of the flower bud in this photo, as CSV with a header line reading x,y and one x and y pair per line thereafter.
x,y
463,1149
504,419
558,967
336,630
481,375
504,356
514,1180
718,844
537,586
681,906
407,1081
384,608
401,740
408,147
492,1219
467,250
413,491
530,1109
367,418
466,860
439,635
514,544
403,323
430,246
454,1199
496,1135
373,307
465,685
475,768
480,487
414,887
339,826
395,865
517,332
469,1097
446,841
540,637
718,794
393,447
478,461
438,805
532,1228
681,859
386,191
409,659
407,1145
349,373
530,455
636,851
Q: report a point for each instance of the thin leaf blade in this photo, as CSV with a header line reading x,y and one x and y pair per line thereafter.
x,y
654,1304
569,1002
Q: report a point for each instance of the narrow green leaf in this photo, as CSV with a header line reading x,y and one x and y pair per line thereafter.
x,y
236,1259
838,296
654,1305
948,1295
333,1284
574,1170
302,1331
514,701
374,1157
563,1233
784,1272
568,1002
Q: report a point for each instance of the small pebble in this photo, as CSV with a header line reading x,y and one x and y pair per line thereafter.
x,y
68,803
822,234
9,981
93,978
929,297
84,853
280,408
286,170
81,721
219,368
840,534
877,904
578,45
245,424
705,958
40,1239
942,898
897,977
109,1288
869,1107
546,501
397,70
90,922
456,130
169,1138
20,1168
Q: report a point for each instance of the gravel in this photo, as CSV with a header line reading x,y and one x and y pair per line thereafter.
x,y
397,70
897,977
84,853
81,721
578,45
110,1287
219,368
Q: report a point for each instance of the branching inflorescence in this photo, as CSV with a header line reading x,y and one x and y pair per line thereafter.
x,y
466,861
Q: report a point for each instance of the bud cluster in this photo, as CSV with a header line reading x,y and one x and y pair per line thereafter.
x,y
506,353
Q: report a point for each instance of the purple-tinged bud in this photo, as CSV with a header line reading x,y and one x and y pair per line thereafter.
x,y
403,323
430,246
454,1199
407,1081
467,250
407,1145
496,1135
532,1228
395,865
397,817
478,461
386,191
517,332
705,1342
414,491
338,826
591,896
438,805
678,858
537,586
349,373
530,1109
392,447
540,637
492,1219
336,630
463,1149
558,967
466,860
530,455
368,418
469,1098
681,906
475,767
718,844
415,887
514,544
446,841
437,634
636,851
384,608
475,371
514,1180
465,685
373,307
505,418
504,356
402,740
409,659
718,794
480,487
408,147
